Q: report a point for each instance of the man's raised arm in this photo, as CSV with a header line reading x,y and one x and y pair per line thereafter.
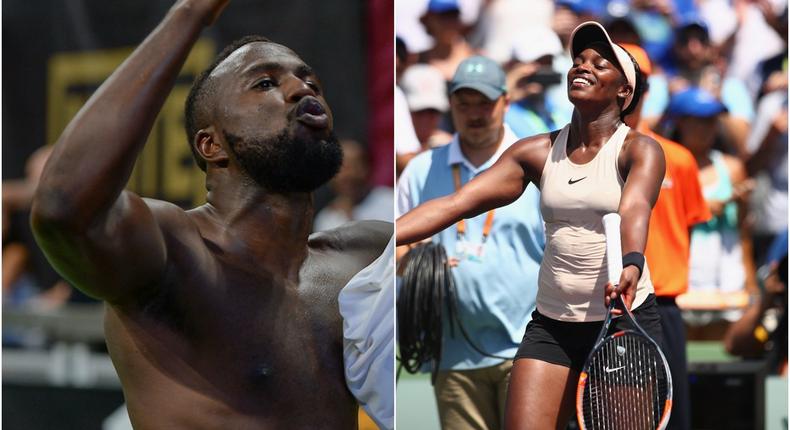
x,y
102,239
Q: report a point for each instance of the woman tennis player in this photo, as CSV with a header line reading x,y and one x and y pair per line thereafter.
x,y
592,166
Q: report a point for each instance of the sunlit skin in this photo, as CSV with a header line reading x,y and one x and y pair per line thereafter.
x,y
224,316
541,394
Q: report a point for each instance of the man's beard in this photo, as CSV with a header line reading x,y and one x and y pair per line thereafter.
x,y
286,163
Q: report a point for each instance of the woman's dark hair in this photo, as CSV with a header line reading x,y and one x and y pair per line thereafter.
x,y
640,87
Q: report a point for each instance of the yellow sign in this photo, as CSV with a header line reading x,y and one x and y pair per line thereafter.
x,y
165,168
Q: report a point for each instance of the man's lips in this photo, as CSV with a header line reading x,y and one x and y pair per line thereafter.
x,y
311,113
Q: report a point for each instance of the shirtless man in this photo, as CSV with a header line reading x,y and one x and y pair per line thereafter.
x,y
224,316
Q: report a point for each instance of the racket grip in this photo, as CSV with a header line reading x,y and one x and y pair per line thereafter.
x,y
614,251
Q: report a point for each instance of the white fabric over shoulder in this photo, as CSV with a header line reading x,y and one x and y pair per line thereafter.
x,y
367,304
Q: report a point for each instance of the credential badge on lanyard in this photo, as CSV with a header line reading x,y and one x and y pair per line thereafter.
x,y
465,249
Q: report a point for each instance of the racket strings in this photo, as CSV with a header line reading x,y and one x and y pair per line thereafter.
x,y
626,385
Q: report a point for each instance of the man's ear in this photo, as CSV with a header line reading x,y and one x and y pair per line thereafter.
x,y
209,147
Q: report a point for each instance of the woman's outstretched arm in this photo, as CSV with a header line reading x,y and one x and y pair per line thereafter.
x,y
498,186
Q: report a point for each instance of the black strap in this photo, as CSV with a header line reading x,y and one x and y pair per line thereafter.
x,y
634,259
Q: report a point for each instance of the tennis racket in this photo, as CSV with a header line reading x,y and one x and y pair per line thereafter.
x,y
625,383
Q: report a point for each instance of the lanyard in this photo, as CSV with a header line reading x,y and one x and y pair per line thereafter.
x,y
461,225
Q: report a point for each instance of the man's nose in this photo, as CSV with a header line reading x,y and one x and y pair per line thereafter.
x,y
477,113
296,89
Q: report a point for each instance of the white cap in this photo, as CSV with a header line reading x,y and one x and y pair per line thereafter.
x,y
591,31
425,88
534,42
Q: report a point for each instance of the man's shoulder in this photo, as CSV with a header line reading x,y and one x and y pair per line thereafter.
x,y
426,159
427,163
186,233
173,219
164,209
357,236
367,233
427,174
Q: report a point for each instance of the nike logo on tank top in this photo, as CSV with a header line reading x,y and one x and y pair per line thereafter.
x,y
573,200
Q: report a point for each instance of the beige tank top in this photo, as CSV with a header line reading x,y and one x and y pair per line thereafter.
x,y
573,200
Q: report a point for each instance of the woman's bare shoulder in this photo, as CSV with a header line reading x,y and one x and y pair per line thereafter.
x,y
639,146
534,149
640,141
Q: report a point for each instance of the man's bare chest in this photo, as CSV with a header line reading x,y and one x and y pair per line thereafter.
x,y
254,354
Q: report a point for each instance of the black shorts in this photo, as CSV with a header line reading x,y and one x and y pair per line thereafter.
x,y
569,343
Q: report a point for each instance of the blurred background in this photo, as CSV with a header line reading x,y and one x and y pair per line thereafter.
x,y
718,87
56,373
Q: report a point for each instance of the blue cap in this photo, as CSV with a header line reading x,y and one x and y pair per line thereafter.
x,y
695,101
480,74
441,6
590,7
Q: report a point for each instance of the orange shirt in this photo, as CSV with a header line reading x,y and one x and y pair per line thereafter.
x,y
680,205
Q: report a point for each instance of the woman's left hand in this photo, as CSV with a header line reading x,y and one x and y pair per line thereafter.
x,y
627,288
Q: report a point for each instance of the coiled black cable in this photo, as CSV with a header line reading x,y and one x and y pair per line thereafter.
x,y
427,293
425,281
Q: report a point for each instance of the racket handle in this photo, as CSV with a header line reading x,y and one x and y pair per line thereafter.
x,y
614,251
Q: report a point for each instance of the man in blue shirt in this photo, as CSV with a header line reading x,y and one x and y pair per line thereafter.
x,y
497,266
